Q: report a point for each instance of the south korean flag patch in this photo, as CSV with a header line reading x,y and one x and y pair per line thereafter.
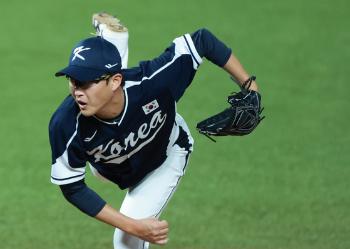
x,y
150,107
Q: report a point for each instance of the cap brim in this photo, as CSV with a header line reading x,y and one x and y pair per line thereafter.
x,y
82,74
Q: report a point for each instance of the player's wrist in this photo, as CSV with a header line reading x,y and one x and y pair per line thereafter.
x,y
132,226
250,83
254,87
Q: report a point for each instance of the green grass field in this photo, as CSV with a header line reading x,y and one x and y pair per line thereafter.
x,y
286,186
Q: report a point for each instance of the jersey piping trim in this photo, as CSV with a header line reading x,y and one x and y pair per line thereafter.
x,y
106,122
192,51
64,158
126,105
75,132
134,83
67,178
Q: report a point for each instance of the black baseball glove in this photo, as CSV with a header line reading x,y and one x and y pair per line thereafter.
x,y
241,118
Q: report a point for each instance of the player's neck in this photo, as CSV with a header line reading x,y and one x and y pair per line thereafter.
x,y
114,107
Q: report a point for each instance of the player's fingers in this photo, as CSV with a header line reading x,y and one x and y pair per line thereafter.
x,y
163,231
162,241
161,237
163,224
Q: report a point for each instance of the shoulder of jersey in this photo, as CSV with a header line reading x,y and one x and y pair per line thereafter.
x,y
65,114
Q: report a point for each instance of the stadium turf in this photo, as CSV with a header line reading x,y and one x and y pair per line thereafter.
x,y
285,186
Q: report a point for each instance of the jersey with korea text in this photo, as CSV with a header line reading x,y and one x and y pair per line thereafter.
x,y
127,149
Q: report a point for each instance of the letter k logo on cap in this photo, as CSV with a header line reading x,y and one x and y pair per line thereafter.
x,y
77,52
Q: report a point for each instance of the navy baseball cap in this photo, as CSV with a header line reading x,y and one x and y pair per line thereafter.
x,y
91,59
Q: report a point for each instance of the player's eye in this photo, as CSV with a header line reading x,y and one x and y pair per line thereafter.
x,y
86,85
79,84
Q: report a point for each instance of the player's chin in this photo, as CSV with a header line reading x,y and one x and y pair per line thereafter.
x,y
87,112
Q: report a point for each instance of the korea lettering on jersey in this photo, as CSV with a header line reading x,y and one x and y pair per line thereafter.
x,y
126,149
116,151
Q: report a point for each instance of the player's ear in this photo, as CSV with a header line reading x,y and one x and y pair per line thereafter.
x,y
116,81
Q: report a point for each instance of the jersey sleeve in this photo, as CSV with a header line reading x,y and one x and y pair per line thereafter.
x,y
200,44
176,67
209,46
82,197
68,157
186,62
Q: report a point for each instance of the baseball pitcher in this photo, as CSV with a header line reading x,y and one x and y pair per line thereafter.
x,y
123,124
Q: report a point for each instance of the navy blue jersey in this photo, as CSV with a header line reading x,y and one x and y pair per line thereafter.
x,y
126,149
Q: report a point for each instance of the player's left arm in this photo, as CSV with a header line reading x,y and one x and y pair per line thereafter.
x,y
236,70
203,44
210,47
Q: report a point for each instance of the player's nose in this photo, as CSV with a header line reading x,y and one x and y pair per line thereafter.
x,y
77,92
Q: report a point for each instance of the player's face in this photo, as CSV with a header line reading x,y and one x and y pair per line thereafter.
x,y
92,97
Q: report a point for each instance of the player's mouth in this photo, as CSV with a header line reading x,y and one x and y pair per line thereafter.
x,y
82,104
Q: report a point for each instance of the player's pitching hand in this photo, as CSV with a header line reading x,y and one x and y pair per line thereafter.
x,y
153,231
